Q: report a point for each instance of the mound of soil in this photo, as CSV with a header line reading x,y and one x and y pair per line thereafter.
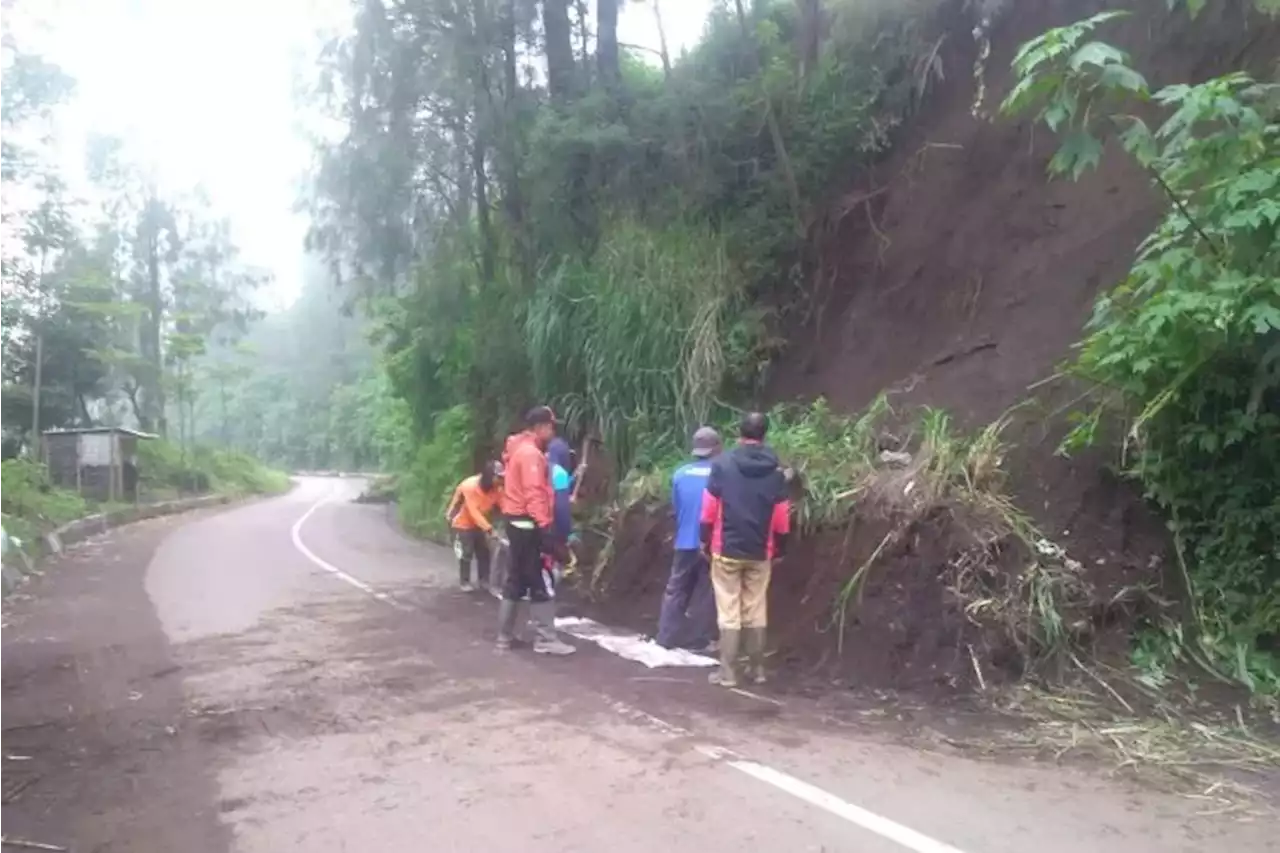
x,y
906,627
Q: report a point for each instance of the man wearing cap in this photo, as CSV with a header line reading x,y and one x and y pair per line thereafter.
x,y
688,598
527,502
473,501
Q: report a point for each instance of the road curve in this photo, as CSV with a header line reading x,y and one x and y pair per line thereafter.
x,y
325,689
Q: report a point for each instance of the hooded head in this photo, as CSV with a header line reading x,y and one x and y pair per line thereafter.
x,y
752,457
559,453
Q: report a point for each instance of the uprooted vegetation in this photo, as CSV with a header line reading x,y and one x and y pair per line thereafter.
x,y
905,523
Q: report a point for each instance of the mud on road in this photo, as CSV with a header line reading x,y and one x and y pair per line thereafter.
x,y
97,740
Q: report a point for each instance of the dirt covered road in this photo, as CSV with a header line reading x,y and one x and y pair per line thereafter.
x,y
295,675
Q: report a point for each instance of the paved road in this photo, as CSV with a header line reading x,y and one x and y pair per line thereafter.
x,y
293,674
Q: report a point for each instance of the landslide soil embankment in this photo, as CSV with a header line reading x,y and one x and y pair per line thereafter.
x,y
957,275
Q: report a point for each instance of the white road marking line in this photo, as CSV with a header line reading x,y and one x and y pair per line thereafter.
x,y
756,696
296,534
867,820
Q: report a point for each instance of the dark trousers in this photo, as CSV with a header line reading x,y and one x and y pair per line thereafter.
x,y
688,592
469,544
524,566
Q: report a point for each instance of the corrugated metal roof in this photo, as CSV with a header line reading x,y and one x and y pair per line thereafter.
x,y
99,431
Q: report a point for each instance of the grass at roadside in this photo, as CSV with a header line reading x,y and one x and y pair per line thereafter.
x,y
33,505
163,469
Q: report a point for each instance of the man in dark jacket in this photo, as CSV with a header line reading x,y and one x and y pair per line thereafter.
x,y
746,520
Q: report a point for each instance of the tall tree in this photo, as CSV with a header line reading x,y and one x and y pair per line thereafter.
x,y
607,43
47,233
561,77
156,246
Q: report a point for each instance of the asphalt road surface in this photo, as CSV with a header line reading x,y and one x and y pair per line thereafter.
x,y
293,674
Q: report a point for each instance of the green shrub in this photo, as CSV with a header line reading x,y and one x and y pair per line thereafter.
x,y
1187,347
633,341
32,504
438,466
163,470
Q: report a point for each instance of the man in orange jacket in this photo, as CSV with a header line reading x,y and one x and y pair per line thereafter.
x,y
473,501
527,502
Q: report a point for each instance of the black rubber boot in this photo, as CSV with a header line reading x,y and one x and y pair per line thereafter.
x,y
753,640
727,675
507,611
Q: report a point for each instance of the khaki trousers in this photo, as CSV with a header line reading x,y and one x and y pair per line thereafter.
x,y
742,592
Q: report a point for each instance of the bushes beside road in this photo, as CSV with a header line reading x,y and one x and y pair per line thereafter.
x,y
33,505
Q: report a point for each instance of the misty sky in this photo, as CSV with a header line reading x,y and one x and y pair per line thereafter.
x,y
203,91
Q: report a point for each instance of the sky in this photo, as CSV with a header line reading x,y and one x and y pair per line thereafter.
x,y
204,92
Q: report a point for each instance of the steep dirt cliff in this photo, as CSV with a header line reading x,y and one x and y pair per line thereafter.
x,y
958,274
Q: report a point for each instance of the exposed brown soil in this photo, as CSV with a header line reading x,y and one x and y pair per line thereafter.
x,y
957,276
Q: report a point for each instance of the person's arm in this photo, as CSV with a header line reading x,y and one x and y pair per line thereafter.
x,y
454,505
707,521
477,511
675,495
537,481
780,527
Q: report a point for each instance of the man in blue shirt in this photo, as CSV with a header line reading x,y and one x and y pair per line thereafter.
x,y
688,593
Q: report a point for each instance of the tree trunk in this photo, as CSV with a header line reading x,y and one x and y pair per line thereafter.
x,y
35,391
771,121
584,49
662,37
607,43
226,425
488,250
38,379
509,145
561,81
482,122
808,35
153,397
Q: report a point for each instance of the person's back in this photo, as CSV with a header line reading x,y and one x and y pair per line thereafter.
x,y
687,485
472,503
528,486
746,523
560,463
749,486
687,605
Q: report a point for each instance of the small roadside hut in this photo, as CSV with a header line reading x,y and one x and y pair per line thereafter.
x,y
101,463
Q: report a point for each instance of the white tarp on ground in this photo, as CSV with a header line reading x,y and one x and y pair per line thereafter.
x,y
630,646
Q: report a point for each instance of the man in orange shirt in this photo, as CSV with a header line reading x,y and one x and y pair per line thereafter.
x,y
527,502
468,515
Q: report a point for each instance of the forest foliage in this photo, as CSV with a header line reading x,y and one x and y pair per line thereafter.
x,y
615,240
114,295
1186,349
